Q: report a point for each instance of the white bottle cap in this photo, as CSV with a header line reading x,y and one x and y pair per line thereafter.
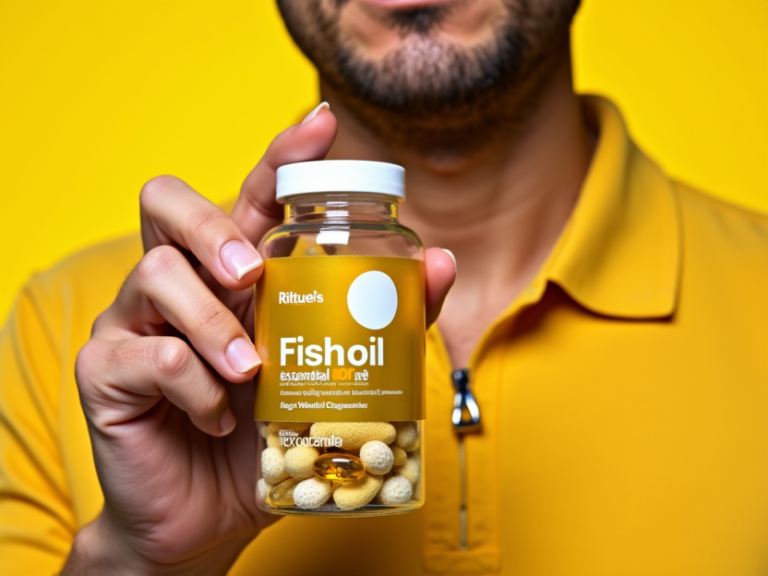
x,y
340,176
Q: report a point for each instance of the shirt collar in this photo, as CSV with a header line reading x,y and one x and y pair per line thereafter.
x,y
619,254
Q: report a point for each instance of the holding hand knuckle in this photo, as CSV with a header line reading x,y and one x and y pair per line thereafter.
x,y
207,223
86,363
211,401
155,187
99,323
172,357
156,262
212,317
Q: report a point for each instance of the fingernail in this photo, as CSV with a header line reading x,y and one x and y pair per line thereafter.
x,y
227,422
242,356
314,112
452,257
239,258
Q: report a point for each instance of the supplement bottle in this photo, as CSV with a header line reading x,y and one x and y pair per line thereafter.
x,y
340,327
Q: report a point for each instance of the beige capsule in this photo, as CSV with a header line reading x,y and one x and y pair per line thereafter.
x,y
411,469
400,456
273,465
354,434
356,494
300,460
413,447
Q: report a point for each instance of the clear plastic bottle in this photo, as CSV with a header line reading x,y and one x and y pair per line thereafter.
x,y
340,327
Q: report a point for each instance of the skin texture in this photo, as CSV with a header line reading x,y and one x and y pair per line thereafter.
x,y
504,159
490,155
439,79
178,481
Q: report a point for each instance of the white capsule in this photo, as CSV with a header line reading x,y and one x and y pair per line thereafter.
x,y
395,491
407,434
377,457
312,493
273,465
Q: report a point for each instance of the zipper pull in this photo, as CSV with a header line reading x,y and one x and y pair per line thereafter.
x,y
466,412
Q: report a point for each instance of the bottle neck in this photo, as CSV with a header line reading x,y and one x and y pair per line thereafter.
x,y
340,208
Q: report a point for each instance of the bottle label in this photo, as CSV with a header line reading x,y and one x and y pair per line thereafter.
x,y
341,339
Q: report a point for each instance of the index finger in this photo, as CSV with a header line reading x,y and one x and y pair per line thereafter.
x,y
256,210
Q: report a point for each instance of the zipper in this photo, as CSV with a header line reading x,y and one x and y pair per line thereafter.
x,y
466,419
463,532
466,412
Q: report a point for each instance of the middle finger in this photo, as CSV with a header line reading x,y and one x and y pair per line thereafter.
x,y
165,288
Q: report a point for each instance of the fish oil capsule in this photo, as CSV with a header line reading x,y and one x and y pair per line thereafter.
x,y
282,494
340,326
337,466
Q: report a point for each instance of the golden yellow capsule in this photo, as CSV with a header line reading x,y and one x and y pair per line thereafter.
x,y
281,495
354,495
337,466
354,434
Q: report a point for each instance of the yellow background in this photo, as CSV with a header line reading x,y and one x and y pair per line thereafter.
x,y
97,96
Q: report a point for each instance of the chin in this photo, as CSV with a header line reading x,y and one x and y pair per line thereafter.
x,y
375,29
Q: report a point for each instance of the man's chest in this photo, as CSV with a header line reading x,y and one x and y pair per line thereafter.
x,y
606,448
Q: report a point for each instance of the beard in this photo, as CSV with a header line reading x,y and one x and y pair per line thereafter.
x,y
430,95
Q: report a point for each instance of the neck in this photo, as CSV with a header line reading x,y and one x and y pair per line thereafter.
x,y
500,210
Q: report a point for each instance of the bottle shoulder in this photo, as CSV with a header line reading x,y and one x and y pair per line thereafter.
x,y
348,239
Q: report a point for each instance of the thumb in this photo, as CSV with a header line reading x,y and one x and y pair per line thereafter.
x,y
440,267
256,210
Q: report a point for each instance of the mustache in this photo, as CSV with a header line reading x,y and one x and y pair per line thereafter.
x,y
418,20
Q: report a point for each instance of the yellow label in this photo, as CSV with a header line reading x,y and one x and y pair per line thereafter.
x,y
341,339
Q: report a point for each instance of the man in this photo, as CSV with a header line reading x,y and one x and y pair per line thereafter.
x,y
613,322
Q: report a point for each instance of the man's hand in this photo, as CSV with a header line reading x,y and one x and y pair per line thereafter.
x,y
166,379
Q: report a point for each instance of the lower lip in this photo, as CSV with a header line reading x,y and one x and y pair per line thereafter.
x,y
405,4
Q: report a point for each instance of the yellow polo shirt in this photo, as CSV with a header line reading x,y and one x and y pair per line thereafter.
x,y
624,400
